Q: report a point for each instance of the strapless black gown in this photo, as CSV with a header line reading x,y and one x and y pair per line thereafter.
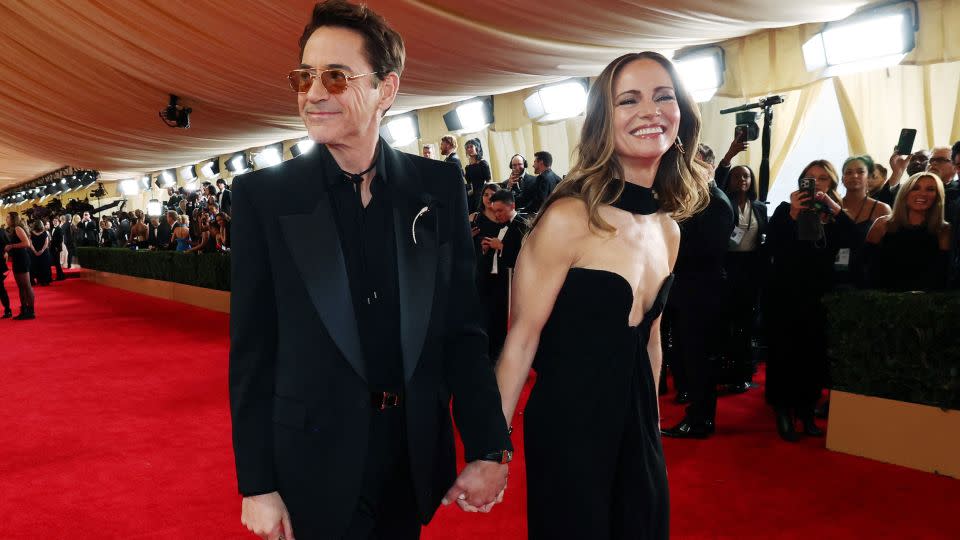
x,y
595,467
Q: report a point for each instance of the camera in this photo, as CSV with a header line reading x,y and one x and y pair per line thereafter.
x,y
747,128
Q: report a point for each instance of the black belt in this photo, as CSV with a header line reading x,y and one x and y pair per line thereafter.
x,y
382,401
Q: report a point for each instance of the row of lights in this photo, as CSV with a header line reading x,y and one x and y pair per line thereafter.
x,y
77,180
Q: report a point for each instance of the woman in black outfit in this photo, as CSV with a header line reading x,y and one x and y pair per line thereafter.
x,y
40,255
20,261
863,210
745,268
477,172
589,288
108,236
802,272
909,250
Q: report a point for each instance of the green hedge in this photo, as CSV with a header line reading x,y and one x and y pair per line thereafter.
x,y
208,270
902,346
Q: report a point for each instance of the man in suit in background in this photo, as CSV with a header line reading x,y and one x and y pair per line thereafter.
x,y
225,197
89,231
497,279
448,151
522,185
546,181
165,230
340,399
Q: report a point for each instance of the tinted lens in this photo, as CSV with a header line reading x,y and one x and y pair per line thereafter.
x,y
334,80
300,80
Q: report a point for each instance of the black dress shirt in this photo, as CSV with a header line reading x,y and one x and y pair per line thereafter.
x,y
369,248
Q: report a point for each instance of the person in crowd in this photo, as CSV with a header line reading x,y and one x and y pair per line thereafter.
x,y
863,210
448,150
165,230
152,227
39,255
477,172
802,272
694,312
216,237
140,233
174,197
224,196
900,163
746,270
56,246
370,272
196,230
212,210
546,180
108,235
722,171
483,222
590,284
70,234
223,221
501,249
210,193
181,233
909,249
4,297
89,231
427,151
205,243
522,185
877,180
17,251
123,229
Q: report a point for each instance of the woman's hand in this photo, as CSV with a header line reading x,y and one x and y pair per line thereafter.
x,y
831,204
798,203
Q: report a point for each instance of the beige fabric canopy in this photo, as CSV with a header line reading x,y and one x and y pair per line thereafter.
x,y
82,81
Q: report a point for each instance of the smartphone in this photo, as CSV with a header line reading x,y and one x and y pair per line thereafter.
x,y
808,185
905,144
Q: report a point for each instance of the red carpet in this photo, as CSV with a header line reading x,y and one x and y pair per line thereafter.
x,y
115,425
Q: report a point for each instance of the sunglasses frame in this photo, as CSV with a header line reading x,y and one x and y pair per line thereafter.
x,y
318,75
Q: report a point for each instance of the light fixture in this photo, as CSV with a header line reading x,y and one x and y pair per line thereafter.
x,y
129,187
401,130
188,173
154,208
211,168
301,147
166,179
557,102
269,156
865,41
190,187
237,163
471,116
145,182
701,71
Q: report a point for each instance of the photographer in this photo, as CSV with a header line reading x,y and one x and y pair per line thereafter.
x,y
803,240
722,171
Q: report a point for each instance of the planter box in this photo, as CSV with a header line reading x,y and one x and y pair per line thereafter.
x,y
178,292
915,436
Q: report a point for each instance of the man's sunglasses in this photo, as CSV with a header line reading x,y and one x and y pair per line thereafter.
x,y
334,80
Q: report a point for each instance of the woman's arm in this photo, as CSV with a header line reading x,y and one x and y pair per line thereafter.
x,y
542,266
204,238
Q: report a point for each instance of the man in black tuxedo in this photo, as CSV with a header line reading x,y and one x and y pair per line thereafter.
x,y
496,281
165,230
448,150
225,197
89,231
354,319
546,181
522,185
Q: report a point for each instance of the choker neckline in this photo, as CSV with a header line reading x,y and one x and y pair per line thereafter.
x,y
637,200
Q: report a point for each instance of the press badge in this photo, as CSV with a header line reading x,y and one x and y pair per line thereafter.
x,y
843,257
737,235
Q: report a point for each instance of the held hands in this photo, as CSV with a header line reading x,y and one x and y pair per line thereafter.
x,y
491,243
479,487
266,516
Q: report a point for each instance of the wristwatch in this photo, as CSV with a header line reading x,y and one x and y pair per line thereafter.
x,y
500,456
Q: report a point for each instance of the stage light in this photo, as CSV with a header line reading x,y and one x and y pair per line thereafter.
x,y
129,187
154,208
471,116
188,173
302,147
401,130
211,168
237,164
701,71
145,182
865,41
268,157
166,179
190,187
556,102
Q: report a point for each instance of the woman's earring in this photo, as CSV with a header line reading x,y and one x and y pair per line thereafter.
x,y
679,144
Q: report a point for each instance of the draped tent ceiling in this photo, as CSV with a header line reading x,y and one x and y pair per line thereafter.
x,y
82,81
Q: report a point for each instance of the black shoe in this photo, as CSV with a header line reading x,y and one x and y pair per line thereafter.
x,y
785,426
682,398
8,313
738,388
687,429
26,314
809,426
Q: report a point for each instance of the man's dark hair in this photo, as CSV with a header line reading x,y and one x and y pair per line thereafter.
x,y
221,181
545,157
954,151
705,153
504,195
382,45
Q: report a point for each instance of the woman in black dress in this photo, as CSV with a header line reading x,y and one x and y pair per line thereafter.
x,y
863,210
909,250
477,172
20,261
40,255
589,288
802,272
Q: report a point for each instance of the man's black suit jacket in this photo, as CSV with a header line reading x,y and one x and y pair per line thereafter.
x,y
545,184
164,234
524,192
225,201
299,400
89,233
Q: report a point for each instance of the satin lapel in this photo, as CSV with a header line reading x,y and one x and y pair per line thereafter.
x,y
416,263
314,243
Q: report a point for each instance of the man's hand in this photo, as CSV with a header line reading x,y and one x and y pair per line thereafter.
x,y
480,485
492,243
266,516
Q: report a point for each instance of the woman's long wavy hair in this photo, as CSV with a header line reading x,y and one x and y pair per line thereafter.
x,y
933,221
596,177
